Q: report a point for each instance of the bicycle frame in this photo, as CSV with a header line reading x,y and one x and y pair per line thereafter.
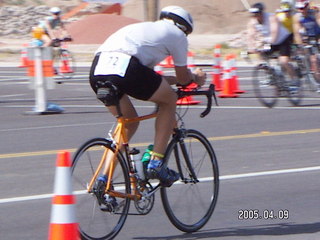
x,y
120,140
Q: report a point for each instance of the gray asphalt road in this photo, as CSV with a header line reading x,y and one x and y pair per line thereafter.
x,y
268,158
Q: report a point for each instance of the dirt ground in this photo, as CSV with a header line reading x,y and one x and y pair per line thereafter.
x,y
215,21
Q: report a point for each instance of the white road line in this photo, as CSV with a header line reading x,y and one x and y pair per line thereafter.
x,y
190,107
226,177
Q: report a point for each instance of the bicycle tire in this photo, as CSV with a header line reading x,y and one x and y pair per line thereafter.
x,y
189,205
304,71
95,223
265,86
294,87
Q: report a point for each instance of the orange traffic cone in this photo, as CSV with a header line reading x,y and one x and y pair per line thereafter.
x,y
63,225
234,75
24,58
65,67
227,80
158,69
167,62
216,74
190,61
188,100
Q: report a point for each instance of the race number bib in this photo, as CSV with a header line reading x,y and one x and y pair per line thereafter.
x,y
112,63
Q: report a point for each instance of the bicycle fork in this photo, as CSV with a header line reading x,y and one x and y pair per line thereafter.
x,y
180,134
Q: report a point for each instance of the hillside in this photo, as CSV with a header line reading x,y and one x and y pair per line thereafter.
x,y
210,16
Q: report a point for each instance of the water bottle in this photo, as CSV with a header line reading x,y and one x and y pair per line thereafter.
x,y
147,156
135,157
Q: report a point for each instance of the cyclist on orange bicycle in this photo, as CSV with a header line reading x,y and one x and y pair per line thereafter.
x,y
127,59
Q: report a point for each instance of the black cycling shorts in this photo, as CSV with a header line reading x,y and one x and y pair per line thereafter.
x,y
139,81
284,48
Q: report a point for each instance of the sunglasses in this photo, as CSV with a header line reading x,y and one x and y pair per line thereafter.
x,y
302,8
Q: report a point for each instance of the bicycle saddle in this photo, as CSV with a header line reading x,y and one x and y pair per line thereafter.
x,y
108,94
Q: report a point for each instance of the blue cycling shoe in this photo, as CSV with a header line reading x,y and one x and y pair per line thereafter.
x,y
107,203
166,176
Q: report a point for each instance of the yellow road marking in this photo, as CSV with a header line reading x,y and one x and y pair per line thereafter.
x,y
222,138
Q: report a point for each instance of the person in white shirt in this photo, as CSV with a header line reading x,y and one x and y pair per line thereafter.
x,y
265,28
127,59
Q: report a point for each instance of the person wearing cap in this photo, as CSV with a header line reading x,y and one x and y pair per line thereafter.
x,y
53,27
306,26
265,28
285,15
127,58
306,21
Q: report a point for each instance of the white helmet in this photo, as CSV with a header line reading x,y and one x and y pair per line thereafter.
x,y
302,3
285,6
180,17
55,10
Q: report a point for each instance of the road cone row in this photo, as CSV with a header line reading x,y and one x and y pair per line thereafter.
x,y
158,69
167,62
63,225
188,100
217,68
230,78
234,74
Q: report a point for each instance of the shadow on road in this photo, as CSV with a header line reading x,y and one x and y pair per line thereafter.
x,y
266,230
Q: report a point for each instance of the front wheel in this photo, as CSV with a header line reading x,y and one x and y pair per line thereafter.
x,y
265,86
294,86
190,202
95,220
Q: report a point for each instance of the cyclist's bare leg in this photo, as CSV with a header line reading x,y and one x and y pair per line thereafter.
x,y
166,99
46,40
284,62
128,111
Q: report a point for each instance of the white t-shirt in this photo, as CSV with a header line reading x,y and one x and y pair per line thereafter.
x,y
150,42
264,28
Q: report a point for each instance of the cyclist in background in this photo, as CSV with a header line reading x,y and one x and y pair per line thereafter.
x,y
53,27
265,28
127,59
285,15
306,27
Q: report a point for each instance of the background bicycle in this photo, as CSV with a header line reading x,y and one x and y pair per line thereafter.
x,y
271,82
103,207
63,60
301,55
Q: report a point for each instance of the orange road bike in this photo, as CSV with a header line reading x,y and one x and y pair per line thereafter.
x,y
102,207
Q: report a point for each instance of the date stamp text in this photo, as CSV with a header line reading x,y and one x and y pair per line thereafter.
x,y
255,214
